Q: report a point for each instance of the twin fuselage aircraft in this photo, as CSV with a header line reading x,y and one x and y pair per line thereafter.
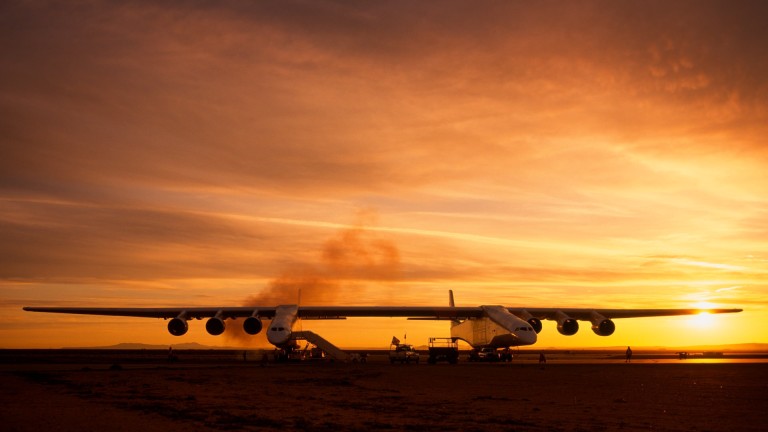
x,y
488,326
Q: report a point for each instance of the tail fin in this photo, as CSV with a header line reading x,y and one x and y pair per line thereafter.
x,y
451,303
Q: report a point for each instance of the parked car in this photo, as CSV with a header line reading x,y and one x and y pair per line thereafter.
x,y
403,353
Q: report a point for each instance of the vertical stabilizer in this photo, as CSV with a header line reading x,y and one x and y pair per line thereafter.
x,y
452,303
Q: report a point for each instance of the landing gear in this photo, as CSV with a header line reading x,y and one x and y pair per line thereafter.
x,y
286,353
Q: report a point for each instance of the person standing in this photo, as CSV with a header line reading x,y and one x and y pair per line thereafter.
x,y
629,355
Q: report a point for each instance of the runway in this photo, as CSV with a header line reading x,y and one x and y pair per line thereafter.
x,y
249,396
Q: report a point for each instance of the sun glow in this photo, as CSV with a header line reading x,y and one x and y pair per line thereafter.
x,y
704,319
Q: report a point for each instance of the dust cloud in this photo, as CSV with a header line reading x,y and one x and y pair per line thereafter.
x,y
349,262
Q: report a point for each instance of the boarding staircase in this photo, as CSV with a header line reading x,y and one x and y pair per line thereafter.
x,y
332,350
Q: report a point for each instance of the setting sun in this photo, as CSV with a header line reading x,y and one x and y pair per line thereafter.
x,y
703,320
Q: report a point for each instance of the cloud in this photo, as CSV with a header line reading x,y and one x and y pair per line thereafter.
x,y
71,240
263,97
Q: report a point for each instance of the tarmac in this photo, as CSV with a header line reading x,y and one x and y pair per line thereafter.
x,y
61,391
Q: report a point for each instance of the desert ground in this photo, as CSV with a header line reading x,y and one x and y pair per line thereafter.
x,y
117,392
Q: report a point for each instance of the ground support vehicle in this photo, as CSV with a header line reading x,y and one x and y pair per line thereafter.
x,y
490,355
443,349
403,353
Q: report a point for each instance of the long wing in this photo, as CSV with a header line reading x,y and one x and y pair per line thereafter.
x,y
341,312
173,312
586,314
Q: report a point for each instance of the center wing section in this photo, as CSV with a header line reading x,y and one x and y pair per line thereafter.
x,y
417,312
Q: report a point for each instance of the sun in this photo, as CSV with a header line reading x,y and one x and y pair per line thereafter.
x,y
703,319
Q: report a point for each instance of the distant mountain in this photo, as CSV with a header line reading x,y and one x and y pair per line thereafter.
x,y
742,347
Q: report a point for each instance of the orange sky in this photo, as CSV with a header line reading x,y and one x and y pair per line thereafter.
x,y
584,154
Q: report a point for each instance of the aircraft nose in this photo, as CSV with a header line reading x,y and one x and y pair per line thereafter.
x,y
530,337
278,335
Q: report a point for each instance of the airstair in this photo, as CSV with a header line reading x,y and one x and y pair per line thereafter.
x,y
332,350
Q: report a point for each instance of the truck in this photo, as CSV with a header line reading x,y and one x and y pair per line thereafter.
x,y
403,353
443,349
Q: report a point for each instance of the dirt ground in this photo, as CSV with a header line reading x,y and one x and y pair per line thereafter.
x,y
380,396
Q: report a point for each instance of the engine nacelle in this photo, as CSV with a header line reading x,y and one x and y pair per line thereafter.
x,y
536,324
566,325
252,325
178,326
533,321
603,327
215,326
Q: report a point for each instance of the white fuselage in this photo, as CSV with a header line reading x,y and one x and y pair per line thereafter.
x,y
280,329
497,329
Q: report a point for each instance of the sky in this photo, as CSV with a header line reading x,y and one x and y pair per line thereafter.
x,y
549,154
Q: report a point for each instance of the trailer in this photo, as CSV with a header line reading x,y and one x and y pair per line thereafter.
x,y
443,349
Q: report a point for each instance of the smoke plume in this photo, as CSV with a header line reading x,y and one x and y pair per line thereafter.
x,y
351,261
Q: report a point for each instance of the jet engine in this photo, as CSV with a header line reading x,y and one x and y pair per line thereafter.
x,y
178,326
601,325
605,327
252,325
215,326
566,325
536,324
